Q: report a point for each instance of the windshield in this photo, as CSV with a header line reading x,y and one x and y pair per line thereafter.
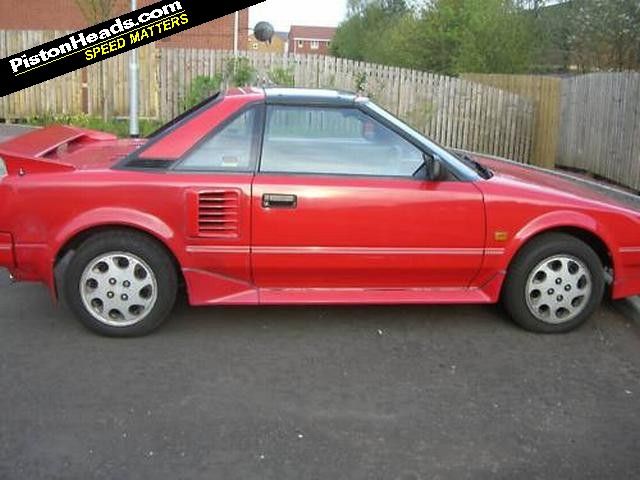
x,y
433,147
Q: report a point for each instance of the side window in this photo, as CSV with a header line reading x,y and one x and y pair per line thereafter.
x,y
228,149
342,141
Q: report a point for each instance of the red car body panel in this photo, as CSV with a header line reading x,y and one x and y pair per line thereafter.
x,y
530,202
369,233
6,250
350,239
187,135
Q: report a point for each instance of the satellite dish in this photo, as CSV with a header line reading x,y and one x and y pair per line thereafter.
x,y
263,31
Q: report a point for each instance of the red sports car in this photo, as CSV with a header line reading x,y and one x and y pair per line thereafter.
x,y
290,196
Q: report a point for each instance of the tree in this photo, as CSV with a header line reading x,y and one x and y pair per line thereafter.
x,y
375,31
96,11
497,36
606,34
458,36
534,6
552,25
359,7
447,36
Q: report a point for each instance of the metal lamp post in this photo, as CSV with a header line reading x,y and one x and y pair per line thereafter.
x,y
134,70
236,34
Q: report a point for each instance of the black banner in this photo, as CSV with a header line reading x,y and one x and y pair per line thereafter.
x,y
108,39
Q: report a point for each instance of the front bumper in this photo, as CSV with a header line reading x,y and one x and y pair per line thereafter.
x,y
7,257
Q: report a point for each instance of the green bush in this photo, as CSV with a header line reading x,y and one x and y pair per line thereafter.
x,y
282,77
119,127
360,82
239,72
201,88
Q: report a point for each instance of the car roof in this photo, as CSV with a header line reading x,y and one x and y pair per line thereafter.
x,y
309,96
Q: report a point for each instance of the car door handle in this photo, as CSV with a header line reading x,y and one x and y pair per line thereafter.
x,y
278,200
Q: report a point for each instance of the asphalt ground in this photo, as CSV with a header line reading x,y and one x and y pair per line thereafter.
x,y
319,392
8,131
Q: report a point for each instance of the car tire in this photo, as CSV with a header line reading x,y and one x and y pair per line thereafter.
x,y
554,284
121,284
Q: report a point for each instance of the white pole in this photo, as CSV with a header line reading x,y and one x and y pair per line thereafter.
x,y
134,70
236,24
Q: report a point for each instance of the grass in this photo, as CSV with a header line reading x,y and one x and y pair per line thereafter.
x,y
119,127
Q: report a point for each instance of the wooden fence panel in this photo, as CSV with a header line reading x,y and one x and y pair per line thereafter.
x,y
454,112
600,126
106,81
544,92
62,95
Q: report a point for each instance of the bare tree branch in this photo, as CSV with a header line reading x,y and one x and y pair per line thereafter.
x,y
95,11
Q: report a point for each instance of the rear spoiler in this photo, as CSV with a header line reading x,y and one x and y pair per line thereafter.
x,y
29,151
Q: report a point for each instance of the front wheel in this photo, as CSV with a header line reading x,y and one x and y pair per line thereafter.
x,y
554,284
121,283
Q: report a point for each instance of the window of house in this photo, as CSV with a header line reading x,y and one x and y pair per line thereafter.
x,y
300,44
315,45
343,141
229,148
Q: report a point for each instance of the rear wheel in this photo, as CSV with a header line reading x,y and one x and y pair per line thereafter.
x,y
121,284
554,285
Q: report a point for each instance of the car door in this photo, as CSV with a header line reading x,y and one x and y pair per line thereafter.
x,y
214,181
336,204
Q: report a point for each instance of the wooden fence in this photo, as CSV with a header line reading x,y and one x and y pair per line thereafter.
x,y
114,88
82,91
600,126
544,92
61,95
454,112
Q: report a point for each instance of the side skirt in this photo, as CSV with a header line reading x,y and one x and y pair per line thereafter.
x,y
208,289
312,296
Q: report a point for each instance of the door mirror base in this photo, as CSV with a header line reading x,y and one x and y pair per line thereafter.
x,y
432,167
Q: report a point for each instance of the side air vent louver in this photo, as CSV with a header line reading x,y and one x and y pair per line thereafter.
x,y
218,213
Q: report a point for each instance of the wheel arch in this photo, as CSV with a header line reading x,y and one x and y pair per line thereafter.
x,y
577,225
73,241
597,244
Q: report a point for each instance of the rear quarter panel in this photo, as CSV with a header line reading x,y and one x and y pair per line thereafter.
x,y
48,210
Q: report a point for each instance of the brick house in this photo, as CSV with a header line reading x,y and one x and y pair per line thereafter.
x,y
305,39
66,15
278,43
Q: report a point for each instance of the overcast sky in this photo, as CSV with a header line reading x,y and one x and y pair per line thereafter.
x,y
284,13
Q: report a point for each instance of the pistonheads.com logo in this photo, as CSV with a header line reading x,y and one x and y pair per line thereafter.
x,y
122,33
107,39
